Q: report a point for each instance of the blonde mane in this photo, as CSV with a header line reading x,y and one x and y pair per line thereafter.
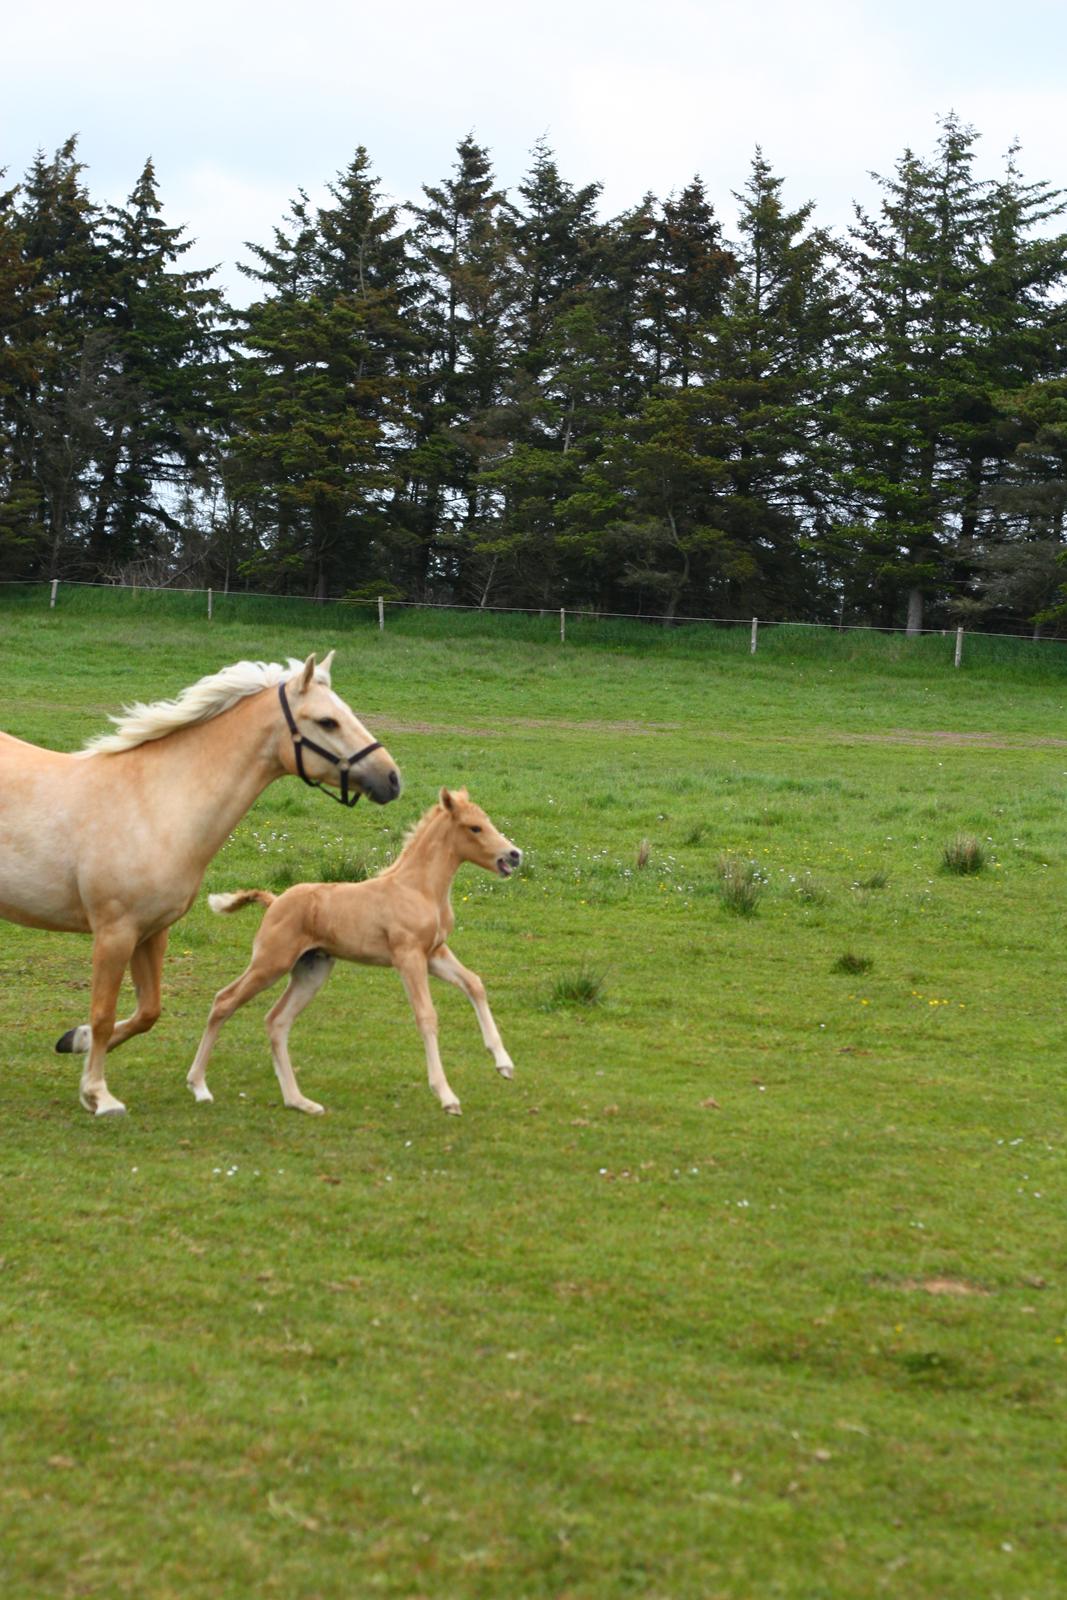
x,y
208,697
416,831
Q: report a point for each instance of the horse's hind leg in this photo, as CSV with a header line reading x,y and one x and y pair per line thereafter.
x,y
111,951
305,981
261,972
146,970
443,964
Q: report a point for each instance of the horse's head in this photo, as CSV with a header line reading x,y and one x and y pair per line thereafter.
x,y
477,839
327,743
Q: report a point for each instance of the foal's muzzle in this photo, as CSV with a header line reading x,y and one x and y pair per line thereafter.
x,y
508,863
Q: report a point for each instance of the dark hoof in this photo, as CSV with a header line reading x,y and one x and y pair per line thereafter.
x,y
65,1046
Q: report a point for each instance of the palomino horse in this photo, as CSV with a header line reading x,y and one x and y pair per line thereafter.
x,y
399,919
114,839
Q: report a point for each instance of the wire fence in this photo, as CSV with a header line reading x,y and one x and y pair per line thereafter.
x,y
380,605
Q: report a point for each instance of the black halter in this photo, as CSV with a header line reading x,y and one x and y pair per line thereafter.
x,y
344,764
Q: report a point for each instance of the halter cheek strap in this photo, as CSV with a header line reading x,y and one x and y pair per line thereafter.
x,y
344,764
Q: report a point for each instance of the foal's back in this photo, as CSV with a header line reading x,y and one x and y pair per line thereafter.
x,y
354,921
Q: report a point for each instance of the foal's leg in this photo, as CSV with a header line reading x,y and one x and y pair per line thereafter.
x,y
443,964
112,948
411,966
146,970
260,973
305,981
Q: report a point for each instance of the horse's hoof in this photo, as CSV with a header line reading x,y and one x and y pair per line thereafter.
x,y
201,1093
454,1110
101,1105
506,1069
311,1107
74,1041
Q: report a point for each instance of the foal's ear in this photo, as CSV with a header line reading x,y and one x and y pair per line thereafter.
x,y
307,672
325,664
446,800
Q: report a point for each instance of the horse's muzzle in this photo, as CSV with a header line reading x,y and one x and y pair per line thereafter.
x,y
380,787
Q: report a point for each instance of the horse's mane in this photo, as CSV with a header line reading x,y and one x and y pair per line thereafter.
x,y
208,697
416,831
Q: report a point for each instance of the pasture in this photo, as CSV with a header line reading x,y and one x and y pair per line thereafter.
x,y
751,1284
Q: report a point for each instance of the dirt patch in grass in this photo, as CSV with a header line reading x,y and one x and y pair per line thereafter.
x,y
950,1286
948,736
565,724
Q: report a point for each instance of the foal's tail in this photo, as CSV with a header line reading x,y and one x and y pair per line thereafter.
x,y
223,903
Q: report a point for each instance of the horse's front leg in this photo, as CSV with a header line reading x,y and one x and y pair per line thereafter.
x,y
112,949
411,965
443,964
146,970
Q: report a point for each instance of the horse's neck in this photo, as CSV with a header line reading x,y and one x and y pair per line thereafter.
x,y
211,773
430,861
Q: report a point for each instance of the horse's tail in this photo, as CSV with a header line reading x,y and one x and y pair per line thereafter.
x,y
223,903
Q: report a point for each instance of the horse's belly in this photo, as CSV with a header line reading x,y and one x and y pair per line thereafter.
x,y
56,912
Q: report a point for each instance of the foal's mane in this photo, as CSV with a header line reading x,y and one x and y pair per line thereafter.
x,y
208,697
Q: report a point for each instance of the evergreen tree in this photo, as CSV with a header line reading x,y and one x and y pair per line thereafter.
x,y
159,325
464,286
319,409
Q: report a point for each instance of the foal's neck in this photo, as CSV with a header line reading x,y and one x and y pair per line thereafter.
x,y
430,859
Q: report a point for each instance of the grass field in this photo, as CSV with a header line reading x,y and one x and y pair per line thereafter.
x,y
751,1284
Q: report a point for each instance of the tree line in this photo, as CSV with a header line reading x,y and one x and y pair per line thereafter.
x,y
505,399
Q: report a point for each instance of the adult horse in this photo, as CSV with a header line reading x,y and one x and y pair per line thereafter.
x,y
113,840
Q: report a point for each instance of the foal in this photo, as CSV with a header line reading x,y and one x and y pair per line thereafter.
x,y
400,919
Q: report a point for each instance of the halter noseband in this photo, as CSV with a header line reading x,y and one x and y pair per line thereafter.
x,y
344,764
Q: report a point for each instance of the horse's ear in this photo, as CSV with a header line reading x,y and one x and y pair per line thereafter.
x,y
307,672
446,800
325,664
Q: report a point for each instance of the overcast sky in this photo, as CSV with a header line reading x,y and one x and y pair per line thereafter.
x,y
240,104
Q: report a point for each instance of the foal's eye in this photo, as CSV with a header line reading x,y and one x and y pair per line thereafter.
x,y
475,827
329,724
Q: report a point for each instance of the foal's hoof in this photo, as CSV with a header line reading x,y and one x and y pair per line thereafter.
x,y
312,1107
201,1093
75,1041
101,1105
453,1110
506,1069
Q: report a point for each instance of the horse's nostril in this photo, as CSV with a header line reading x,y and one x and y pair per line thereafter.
x,y
516,855
394,781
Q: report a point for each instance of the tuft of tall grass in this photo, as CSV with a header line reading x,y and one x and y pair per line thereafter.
x,y
875,880
582,987
347,867
810,891
963,855
853,964
741,885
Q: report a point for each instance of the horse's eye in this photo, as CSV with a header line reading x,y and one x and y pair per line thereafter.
x,y
475,827
329,724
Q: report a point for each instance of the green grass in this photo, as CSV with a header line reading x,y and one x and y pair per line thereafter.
x,y
749,1285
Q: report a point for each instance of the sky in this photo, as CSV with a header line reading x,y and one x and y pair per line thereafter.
x,y
240,105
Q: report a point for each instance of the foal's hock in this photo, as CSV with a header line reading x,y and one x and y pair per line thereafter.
x,y
402,919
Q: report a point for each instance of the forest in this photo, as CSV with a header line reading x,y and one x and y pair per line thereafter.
x,y
506,399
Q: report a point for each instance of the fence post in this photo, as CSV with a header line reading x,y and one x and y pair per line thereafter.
x,y
381,614
52,601
755,633
562,625
959,645
210,598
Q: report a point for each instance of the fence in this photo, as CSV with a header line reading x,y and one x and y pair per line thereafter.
x,y
380,603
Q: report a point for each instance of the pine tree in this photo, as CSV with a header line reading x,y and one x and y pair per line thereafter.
x,y
463,289
319,414
161,369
